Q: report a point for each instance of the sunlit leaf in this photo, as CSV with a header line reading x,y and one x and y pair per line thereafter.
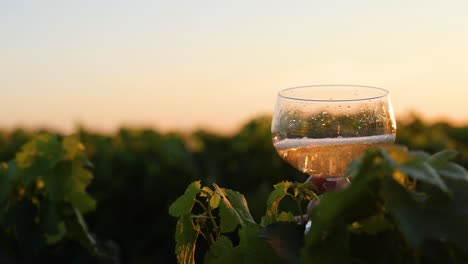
x,y
296,192
283,186
285,217
206,191
214,200
183,205
80,178
38,157
399,177
240,205
233,209
273,202
48,184
186,238
73,147
396,154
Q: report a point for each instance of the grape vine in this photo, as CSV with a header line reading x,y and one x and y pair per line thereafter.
x,y
43,198
400,207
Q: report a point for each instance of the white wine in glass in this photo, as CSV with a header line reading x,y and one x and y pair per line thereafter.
x,y
320,129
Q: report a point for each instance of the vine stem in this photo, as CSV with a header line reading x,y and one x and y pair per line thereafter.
x,y
210,215
299,206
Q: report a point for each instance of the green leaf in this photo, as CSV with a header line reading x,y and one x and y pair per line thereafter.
x,y
452,170
422,171
417,164
253,248
234,210
459,200
51,223
5,183
38,157
407,212
186,238
285,217
80,178
82,201
374,225
308,190
436,219
222,251
66,179
52,180
283,186
183,205
274,199
442,157
357,198
268,219
73,147
395,154
239,203
55,238
214,200
281,217
206,191
440,162
329,232
229,217
57,182
418,156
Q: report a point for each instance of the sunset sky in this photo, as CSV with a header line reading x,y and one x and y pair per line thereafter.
x,y
181,65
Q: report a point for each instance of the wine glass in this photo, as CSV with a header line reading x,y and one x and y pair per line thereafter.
x,y
320,129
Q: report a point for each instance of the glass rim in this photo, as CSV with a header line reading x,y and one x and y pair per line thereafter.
x,y
385,92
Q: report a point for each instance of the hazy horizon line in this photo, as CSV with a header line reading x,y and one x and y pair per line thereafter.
x,y
406,118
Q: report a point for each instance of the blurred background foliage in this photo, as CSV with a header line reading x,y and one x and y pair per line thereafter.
x,y
140,172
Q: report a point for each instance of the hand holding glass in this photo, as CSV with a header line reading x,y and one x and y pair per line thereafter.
x,y
320,129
